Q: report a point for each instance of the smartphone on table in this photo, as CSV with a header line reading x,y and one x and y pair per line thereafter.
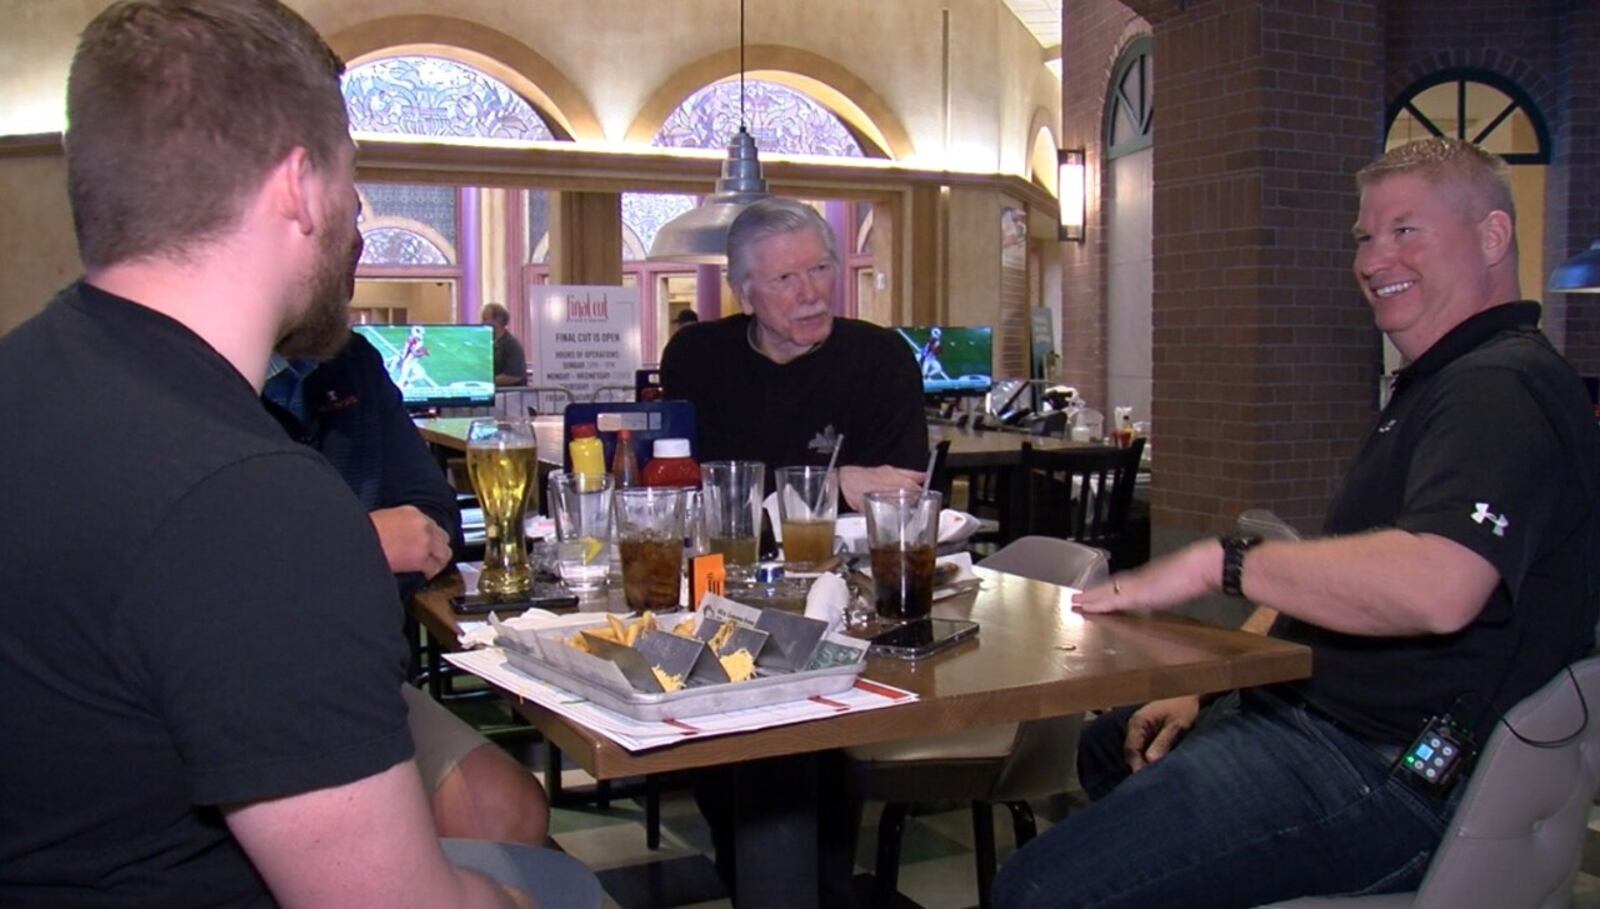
x,y
920,638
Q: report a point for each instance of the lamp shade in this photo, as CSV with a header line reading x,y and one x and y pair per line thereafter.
x,y
700,235
1070,190
1579,274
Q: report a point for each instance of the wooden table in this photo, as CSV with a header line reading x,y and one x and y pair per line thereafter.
x,y
971,449
1033,658
450,434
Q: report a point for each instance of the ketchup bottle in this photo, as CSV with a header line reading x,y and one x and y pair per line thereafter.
x,y
671,465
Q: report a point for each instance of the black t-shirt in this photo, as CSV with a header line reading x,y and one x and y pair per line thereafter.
x,y
197,614
509,359
1488,441
862,382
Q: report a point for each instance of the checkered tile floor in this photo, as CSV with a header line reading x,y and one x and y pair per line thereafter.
x,y
937,870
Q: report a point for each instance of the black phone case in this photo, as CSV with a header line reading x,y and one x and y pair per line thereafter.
x,y
543,596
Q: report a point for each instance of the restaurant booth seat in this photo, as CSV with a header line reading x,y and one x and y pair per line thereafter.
x,y
1517,838
1007,764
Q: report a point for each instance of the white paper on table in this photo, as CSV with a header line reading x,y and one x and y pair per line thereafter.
x,y
641,735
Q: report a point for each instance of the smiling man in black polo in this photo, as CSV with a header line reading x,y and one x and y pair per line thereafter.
x,y
1452,578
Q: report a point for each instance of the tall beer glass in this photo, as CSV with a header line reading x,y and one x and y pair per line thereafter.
x,y
502,461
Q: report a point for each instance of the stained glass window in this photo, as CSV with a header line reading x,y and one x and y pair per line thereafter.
x,y
644,213
398,246
780,118
433,96
538,224
434,206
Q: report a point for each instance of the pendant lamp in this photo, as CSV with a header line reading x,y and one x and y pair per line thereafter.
x,y
700,235
1579,274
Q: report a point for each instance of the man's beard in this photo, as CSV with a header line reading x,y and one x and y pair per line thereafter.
x,y
324,328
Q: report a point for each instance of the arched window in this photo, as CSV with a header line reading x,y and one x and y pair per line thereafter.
x,y
642,216
781,119
1130,113
1476,106
1496,114
408,225
434,96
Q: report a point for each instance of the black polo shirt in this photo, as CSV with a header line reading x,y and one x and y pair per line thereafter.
x,y
1489,441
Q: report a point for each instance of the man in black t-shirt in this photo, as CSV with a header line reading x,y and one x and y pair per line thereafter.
x,y
782,384
1453,578
200,665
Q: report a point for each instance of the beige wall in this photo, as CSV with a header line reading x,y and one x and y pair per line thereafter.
x,y
618,53
36,241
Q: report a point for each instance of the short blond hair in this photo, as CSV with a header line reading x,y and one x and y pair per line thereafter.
x,y
1480,180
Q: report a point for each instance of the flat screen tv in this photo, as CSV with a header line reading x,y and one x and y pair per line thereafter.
x,y
954,360
437,365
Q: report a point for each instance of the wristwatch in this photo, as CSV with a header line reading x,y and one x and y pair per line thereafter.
x,y
1233,550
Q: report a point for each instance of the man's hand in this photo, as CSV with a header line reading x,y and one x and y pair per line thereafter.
x,y
411,540
1156,727
1178,578
856,482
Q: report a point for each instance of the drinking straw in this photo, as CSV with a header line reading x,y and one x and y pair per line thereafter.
x,y
927,473
832,460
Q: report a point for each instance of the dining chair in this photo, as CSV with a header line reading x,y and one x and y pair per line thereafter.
x,y
1082,494
1007,764
1517,838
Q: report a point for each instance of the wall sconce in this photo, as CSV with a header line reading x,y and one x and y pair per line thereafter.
x,y
1579,274
1069,186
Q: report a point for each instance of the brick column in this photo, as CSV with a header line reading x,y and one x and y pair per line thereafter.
x,y
1265,358
1573,212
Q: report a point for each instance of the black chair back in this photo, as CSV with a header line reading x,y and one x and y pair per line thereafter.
x,y
1080,494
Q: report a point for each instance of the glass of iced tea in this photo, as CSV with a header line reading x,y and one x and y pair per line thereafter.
x,y
730,501
502,462
808,507
650,530
902,534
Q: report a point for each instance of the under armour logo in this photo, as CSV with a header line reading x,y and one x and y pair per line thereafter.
x,y
1500,522
1387,425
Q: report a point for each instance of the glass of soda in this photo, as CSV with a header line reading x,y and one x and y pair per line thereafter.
x,y
650,529
902,533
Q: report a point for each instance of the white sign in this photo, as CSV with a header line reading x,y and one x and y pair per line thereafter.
x,y
588,336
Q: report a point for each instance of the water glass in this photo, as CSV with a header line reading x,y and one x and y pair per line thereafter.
x,y
581,506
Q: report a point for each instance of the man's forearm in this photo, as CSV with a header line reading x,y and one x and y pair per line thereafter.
x,y
1387,582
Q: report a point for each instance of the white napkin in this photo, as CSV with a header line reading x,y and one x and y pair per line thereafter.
x,y
482,634
827,599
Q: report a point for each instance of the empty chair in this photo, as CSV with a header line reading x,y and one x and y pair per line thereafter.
x,y
1006,764
1081,494
1517,838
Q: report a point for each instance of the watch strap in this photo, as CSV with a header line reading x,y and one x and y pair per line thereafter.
x,y
1233,550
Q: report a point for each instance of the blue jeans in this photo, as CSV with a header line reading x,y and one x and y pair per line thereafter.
x,y
1270,802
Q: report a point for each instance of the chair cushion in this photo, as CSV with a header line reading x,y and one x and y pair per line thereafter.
x,y
1381,901
990,742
